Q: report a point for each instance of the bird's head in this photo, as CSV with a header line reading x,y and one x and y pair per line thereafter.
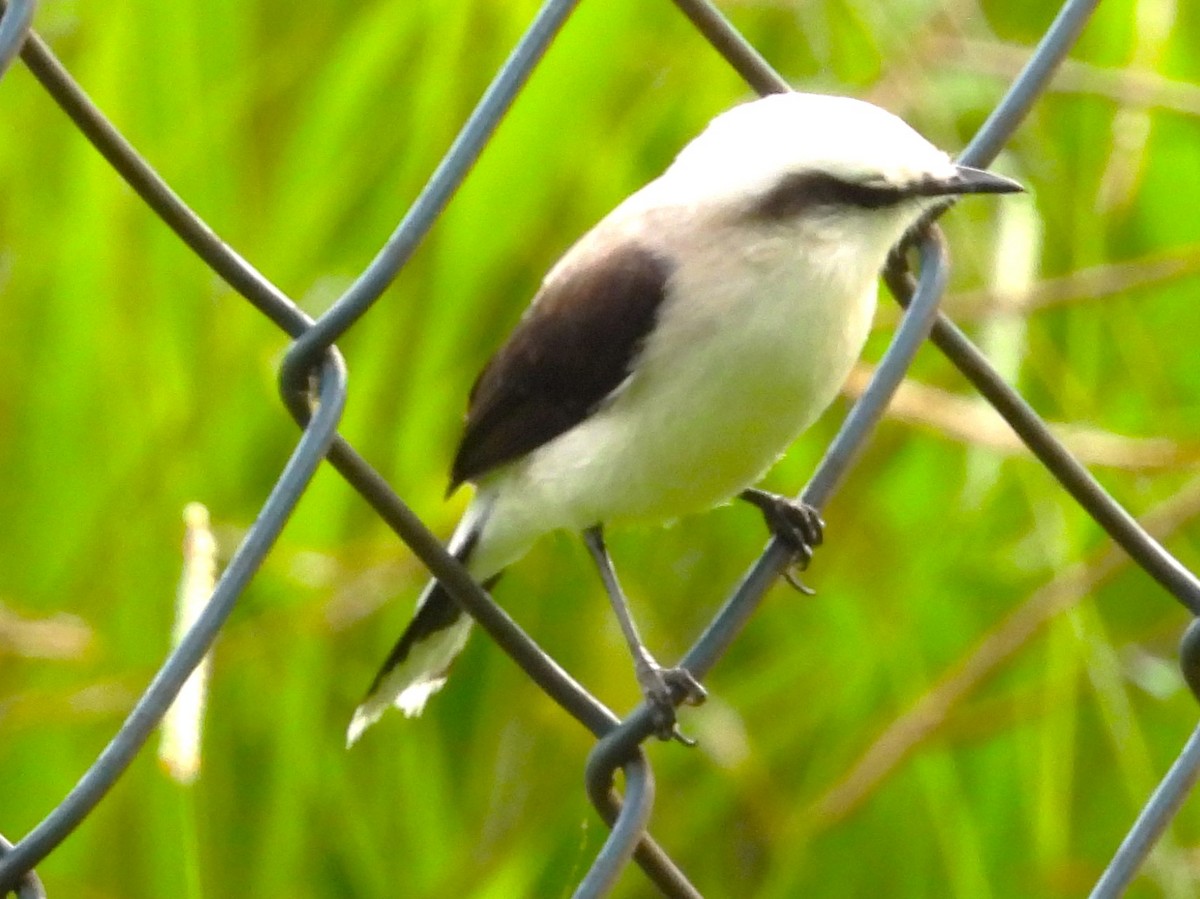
x,y
838,170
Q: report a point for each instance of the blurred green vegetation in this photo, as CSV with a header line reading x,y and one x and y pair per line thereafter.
x,y
975,704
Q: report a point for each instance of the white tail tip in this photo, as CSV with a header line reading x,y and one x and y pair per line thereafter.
x,y
411,701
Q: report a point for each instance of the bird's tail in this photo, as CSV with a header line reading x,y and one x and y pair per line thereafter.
x,y
417,666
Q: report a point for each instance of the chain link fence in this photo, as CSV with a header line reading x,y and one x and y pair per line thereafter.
x,y
312,381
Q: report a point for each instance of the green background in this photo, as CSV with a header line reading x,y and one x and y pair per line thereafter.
x,y
976,703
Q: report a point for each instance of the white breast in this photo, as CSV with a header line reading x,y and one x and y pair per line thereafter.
x,y
752,348
752,344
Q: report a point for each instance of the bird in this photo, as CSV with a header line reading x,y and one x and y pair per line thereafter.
x,y
676,351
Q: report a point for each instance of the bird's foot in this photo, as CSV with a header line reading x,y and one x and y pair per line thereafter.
x,y
795,523
664,689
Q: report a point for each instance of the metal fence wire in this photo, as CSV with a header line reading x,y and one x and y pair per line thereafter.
x,y
312,381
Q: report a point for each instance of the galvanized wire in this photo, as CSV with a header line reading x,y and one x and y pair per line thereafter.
x,y
449,174
153,703
29,886
313,352
1162,806
13,28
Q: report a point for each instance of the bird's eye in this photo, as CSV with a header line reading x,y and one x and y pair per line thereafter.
x,y
799,192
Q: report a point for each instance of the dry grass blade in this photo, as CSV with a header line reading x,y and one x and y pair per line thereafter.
x,y
1135,87
902,737
973,421
60,636
1098,282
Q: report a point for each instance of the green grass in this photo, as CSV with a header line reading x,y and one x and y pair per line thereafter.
x,y
136,382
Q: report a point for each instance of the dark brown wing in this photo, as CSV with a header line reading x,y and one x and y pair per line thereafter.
x,y
572,349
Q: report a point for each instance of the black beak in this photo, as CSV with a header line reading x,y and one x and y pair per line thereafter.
x,y
967,180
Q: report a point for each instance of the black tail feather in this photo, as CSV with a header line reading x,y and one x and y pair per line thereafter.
x,y
437,611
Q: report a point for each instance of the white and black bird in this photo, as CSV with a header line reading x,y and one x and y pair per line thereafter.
x,y
677,350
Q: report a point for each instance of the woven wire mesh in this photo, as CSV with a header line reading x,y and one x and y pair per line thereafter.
x,y
312,381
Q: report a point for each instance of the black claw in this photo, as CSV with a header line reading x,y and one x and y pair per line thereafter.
x,y
686,741
684,688
796,523
663,715
792,578
664,688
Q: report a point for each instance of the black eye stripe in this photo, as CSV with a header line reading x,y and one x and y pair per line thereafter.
x,y
800,191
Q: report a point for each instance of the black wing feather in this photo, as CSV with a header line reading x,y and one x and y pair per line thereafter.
x,y
572,348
